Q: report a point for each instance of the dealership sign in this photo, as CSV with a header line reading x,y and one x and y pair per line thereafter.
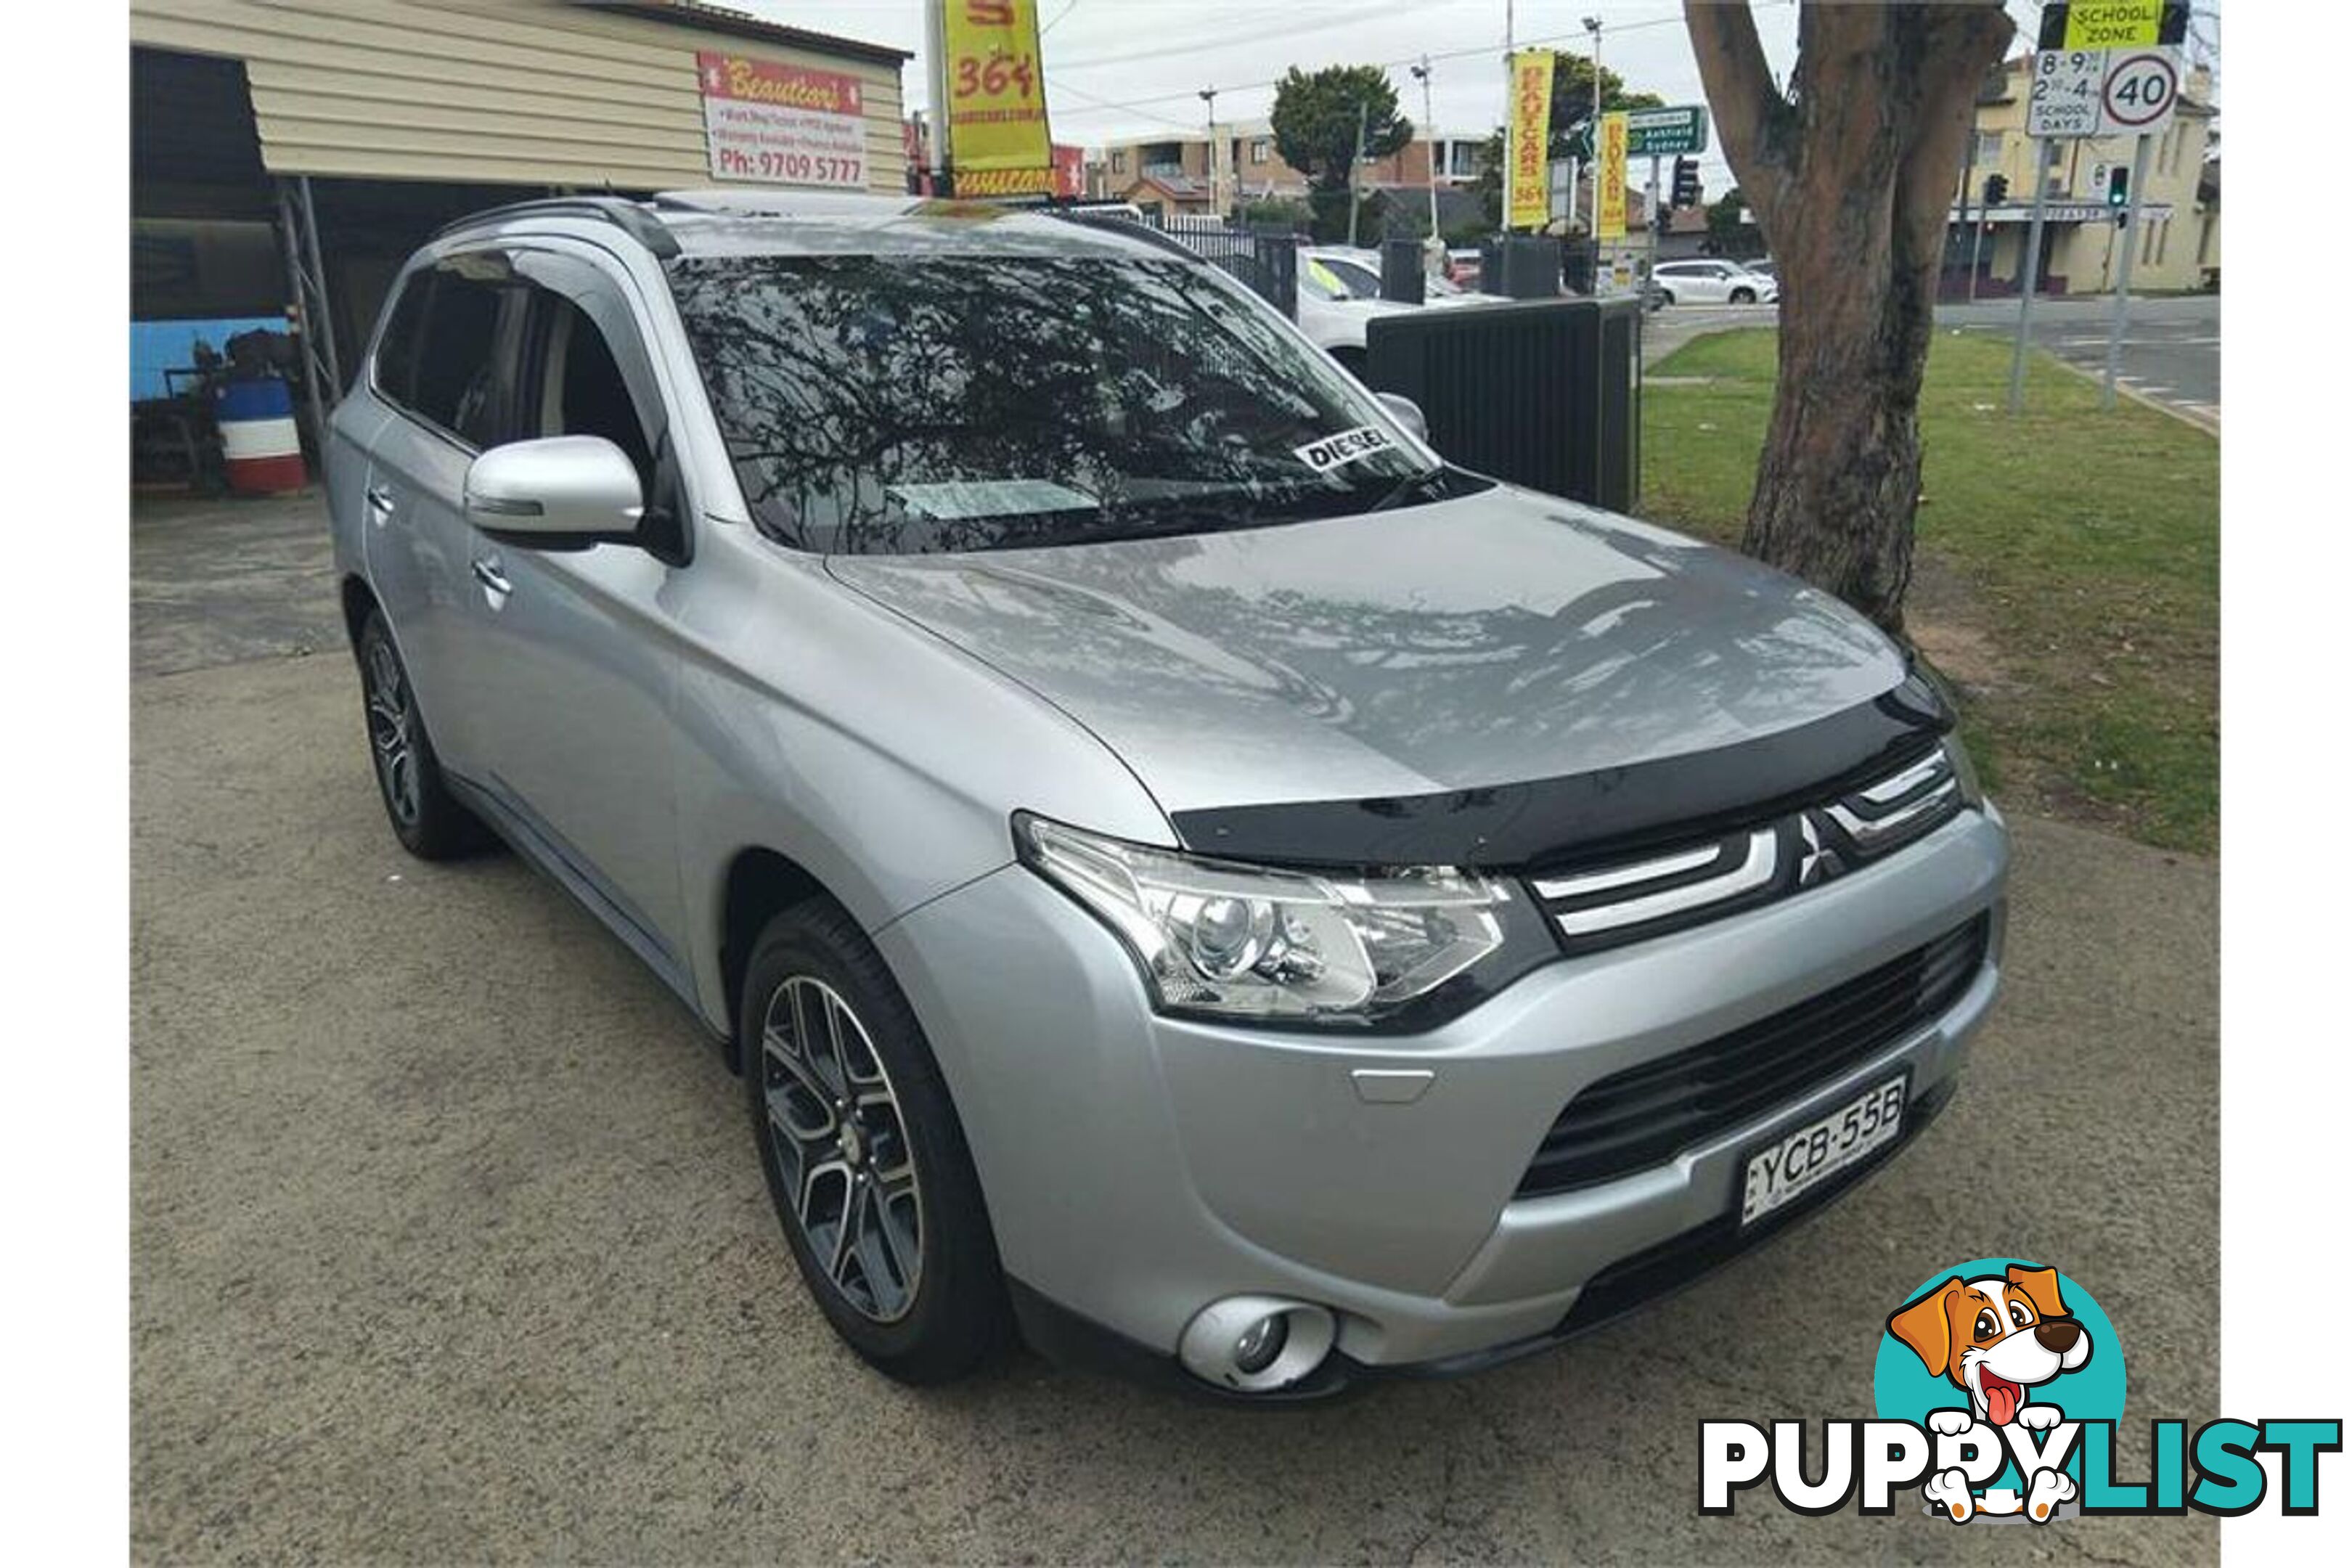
x,y
995,79
781,125
1528,204
1609,179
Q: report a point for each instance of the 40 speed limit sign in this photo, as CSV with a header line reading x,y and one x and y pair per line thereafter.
x,y
2141,89
2103,92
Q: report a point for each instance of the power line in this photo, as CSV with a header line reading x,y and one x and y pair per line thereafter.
x,y
1317,24
1136,105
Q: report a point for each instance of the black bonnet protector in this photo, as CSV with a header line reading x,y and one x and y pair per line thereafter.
x,y
1542,822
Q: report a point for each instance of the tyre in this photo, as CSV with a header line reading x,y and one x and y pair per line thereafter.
x,y
865,1159
1666,297
1743,296
427,820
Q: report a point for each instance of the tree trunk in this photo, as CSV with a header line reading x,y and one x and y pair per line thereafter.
x,y
1851,175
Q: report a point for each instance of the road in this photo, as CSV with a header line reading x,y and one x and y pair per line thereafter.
x,y
447,1242
2171,347
2171,351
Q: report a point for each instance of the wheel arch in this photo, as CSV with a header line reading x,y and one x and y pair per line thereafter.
x,y
357,599
759,885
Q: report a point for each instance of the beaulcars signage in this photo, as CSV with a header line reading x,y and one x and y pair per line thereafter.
x,y
781,125
1608,178
1530,137
994,80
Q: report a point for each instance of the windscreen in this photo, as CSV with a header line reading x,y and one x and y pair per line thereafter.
x,y
894,404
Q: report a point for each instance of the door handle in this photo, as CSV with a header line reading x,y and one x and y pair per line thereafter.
x,y
379,499
493,580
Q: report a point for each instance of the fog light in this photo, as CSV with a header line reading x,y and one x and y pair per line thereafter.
x,y
1256,1344
1261,1343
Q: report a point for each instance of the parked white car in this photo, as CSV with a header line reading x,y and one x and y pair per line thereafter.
x,y
1359,271
1711,282
1334,317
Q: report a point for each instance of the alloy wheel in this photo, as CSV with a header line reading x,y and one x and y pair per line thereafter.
x,y
392,731
839,1140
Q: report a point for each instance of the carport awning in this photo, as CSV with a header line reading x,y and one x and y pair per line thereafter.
x,y
527,93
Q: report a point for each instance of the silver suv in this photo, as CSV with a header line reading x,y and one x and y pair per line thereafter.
x,y
1185,874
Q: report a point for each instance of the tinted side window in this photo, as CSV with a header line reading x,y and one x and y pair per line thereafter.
x,y
453,381
395,356
583,391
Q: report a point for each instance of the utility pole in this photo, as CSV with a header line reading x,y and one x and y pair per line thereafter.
x,y
2125,236
1592,217
1429,131
935,44
1209,97
1355,171
1511,119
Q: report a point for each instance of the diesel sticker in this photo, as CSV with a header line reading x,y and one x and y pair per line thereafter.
x,y
1344,447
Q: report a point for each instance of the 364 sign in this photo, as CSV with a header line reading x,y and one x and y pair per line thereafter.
x,y
997,135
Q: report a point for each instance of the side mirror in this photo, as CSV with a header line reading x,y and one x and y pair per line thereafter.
x,y
1405,412
561,492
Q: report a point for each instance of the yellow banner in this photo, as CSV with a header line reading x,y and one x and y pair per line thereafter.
x,y
1529,202
995,85
2113,23
1608,178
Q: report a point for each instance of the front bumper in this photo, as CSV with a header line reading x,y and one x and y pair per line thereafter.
x,y
1138,1167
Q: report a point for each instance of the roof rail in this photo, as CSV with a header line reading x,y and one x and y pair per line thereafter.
x,y
633,218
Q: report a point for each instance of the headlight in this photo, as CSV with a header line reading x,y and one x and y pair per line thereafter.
x,y
1964,771
1247,942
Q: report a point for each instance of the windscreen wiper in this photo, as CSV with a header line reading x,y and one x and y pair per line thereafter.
x,y
1404,489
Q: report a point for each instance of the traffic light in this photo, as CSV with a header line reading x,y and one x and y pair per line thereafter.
x,y
2119,187
1996,190
1685,182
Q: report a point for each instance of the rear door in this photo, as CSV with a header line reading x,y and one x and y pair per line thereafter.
x,y
437,371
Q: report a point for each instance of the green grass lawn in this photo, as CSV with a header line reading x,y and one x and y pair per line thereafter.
x,y
2069,573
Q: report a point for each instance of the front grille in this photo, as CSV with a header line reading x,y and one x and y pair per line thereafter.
x,y
1645,1115
1612,901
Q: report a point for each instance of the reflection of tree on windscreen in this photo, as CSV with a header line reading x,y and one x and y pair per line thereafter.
x,y
1143,386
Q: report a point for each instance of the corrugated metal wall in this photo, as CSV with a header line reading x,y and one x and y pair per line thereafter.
x,y
495,92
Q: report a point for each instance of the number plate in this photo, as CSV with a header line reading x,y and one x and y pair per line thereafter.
x,y
1801,1158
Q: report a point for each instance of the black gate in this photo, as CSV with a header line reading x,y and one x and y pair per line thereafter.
x,y
1265,260
1542,393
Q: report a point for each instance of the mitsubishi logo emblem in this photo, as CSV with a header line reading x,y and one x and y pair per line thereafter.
x,y
1820,862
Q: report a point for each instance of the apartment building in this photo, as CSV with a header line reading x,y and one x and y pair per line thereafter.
x,y
1173,173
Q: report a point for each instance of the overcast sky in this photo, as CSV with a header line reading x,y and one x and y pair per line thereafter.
x,y
1116,70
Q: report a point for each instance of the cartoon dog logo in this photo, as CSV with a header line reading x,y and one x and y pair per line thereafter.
x,y
1996,1337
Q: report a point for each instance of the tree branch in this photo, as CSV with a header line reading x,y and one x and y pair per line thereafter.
x,y
1965,41
1754,121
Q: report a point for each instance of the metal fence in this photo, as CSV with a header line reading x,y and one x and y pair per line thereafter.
x,y
1266,259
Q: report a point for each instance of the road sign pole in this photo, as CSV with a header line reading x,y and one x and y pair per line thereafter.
x,y
1976,248
1651,265
2126,238
2032,283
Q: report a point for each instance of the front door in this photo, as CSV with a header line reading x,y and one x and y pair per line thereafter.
x,y
576,659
